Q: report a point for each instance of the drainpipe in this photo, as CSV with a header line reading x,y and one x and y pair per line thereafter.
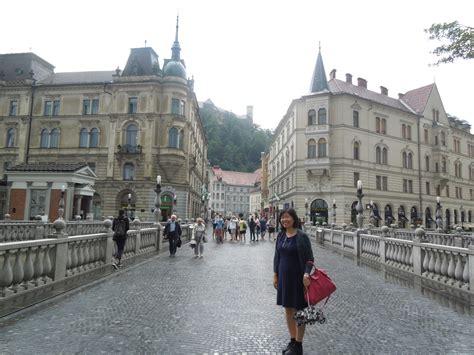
x,y
30,119
419,170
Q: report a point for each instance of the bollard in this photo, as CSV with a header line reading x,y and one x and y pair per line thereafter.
x,y
382,244
109,243
417,242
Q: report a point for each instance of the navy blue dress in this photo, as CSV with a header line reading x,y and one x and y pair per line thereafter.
x,y
290,292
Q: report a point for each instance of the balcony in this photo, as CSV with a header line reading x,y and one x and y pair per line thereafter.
x,y
129,149
322,128
317,166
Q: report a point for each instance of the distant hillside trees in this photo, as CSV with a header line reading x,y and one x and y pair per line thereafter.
x,y
234,143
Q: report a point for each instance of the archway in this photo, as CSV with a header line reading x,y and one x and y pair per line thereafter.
x,y
414,216
319,211
402,219
166,206
456,220
388,215
428,219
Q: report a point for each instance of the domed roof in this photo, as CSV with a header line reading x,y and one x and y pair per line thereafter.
x,y
174,68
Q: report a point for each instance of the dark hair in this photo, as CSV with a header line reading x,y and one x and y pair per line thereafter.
x,y
121,212
292,213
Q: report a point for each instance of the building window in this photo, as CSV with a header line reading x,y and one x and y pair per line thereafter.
x,y
407,160
405,185
132,104
56,106
13,108
83,138
377,124
443,139
385,183
44,140
355,118
408,186
131,135
444,166
10,137
438,190
322,148
409,133
447,190
356,150
384,156
384,126
311,149
48,108
426,136
378,182
311,117
88,109
173,138
356,178
54,141
128,171
427,163
378,155
428,190
322,117
94,138
175,106
404,131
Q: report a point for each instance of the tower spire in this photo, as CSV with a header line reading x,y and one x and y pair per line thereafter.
x,y
319,81
176,49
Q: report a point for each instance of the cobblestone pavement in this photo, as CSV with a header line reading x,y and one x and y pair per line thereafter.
x,y
225,303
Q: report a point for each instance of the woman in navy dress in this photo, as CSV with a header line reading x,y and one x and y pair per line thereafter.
x,y
292,264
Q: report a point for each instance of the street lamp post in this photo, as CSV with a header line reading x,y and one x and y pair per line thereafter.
x,y
462,216
129,206
439,218
359,207
334,212
372,214
157,210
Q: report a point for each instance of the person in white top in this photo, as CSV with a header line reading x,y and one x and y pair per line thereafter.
x,y
233,228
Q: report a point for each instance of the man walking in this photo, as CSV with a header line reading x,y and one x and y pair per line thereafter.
x,y
173,232
120,226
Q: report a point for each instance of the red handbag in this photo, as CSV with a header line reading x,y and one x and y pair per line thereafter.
x,y
320,286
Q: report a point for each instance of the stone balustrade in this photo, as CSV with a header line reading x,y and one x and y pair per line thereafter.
x,y
15,232
451,266
453,239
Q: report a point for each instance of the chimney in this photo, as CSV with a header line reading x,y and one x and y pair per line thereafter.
x,y
384,90
332,74
400,96
349,78
362,83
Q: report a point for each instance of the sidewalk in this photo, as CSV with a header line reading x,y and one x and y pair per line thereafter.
x,y
225,303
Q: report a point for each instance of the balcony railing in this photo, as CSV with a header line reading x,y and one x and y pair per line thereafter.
x,y
129,149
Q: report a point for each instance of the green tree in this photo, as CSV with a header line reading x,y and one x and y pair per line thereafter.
x,y
458,41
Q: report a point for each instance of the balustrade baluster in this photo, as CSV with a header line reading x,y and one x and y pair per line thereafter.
x,y
86,255
6,275
38,266
74,257
465,274
28,270
17,271
451,265
426,259
431,264
47,268
437,267
458,271
69,259
444,267
80,256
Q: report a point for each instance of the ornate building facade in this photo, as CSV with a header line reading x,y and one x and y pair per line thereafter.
x,y
406,151
128,126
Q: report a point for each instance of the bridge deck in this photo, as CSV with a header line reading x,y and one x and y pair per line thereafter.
x,y
225,303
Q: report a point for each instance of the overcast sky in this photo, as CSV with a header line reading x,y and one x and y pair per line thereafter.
x,y
249,52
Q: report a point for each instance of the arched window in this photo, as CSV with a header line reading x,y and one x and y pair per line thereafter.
x,y
94,138
11,137
311,148
54,140
128,171
356,151
311,117
427,163
322,148
322,119
131,135
355,118
173,138
84,138
410,161
404,159
384,156
378,155
44,142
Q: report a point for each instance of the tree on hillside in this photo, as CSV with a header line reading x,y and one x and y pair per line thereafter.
x,y
459,41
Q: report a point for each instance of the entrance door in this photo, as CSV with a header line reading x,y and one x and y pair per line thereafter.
x,y
319,212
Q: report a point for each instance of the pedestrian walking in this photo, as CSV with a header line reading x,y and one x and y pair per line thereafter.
x,y
292,263
173,232
120,226
242,229
257,227
252,226
263,227
219,229
271,229
199,233
233,228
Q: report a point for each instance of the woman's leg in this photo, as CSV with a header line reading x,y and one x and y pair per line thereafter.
x,y
289,312
201,248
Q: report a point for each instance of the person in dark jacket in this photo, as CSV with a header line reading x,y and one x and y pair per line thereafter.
x,y
120,226
292,263
173,232
252,226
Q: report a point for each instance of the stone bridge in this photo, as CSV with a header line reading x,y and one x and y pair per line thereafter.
x,y
225,302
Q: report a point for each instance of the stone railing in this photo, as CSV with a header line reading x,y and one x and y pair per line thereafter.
x,y
15,232
34,270
451,266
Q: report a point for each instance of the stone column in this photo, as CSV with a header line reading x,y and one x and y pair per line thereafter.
x,y
78,205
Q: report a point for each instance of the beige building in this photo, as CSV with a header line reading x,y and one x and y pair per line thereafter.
x,y
129,126
405,150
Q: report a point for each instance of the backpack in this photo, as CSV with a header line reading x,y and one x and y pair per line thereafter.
x,y
120,229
